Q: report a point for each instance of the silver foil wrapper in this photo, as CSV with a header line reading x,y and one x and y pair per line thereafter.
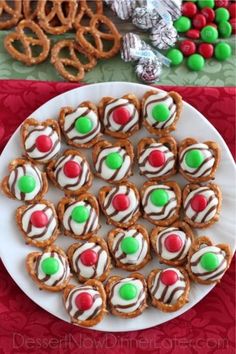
x,y
145,19
123,8
149,70
163,36
130,42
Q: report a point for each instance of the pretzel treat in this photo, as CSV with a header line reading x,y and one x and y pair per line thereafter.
x,y
113,161
41,140
127,296
208,263
90,260
25,181
70,172
79,217
161,111
120,204
81,126
30,9
10,13
100,37
120,116
161,202
63,63
28,42
38,223
85,304
169,288
172,243
59,18
49,268
84,11
202,204
157,158
198,161
129,248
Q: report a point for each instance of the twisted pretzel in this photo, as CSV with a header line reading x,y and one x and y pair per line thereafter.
x,y
30,12
85,11
13,12
27,42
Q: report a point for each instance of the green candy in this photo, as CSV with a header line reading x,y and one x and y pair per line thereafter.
x,y
225,29
83,125
194,158
128,291
223,51
80,214
26,184
50,265
209,261
206,3
160,112
195,62
209,34
222,14
114,160
159,197
175,56
129,245
183,24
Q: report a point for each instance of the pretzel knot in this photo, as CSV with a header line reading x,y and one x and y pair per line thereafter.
x,y
59,18
85,11
10,13
30,9
62,64
100,37
28,41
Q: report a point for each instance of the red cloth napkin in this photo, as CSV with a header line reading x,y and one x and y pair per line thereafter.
x,y
209,327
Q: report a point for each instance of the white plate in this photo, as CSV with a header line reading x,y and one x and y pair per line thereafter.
x,y
13,249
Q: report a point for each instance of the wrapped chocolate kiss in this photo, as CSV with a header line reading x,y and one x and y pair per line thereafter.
x,y
163,35
130,43
144,18
149,70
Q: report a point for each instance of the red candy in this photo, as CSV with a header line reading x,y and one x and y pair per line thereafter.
x,y
232,10
43,143
233,24
212,24
208,13
121,202
156,158
221,3
84,301
189,9
193,34
89,258
198,202
199,21
121,115
206,50
39,218
187,47
173,243
72,169
169,277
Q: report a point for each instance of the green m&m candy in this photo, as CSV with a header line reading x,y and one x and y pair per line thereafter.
x,y
222,14
83,125
194,158
114,160
209,261
206,3
50,265
80,214
183,24
223,51
159,197
175,56
129,245
26,184
225,29
209,34
195,62
160,112
128,291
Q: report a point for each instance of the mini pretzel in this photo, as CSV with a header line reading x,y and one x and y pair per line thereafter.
x,y
61,63
47,19
98,50
84,10
30,12
13,11
28,42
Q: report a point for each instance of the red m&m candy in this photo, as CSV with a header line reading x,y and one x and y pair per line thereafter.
x,y
84,301
221,3
121,202
199,21
39,218
72,169
121,115
43,143
89,258
157,158
212,24
193,33
189,9
233,24
198,202
169,277
206,50
208,13
232,10
173,243
187,47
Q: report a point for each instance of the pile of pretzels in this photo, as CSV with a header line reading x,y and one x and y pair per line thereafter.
x,y
34,20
